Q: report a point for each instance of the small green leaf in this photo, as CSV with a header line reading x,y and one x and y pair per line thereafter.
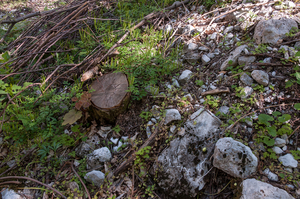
x,y
297,106
288,84
264,119
284,118
297,75
269,141
297,54
272,131
2,92
276,113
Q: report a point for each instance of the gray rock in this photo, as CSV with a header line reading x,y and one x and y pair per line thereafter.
x,y
98,157
280,142
228,29
192,46
175,83
224,110
205,59
270,31
204,48
229,36
297,45
288,161
192,58
277,150
233,57
95,177
182,166
247,91
210,55
244,60
234,158
254,189
261,77
185,76
10,194
213,36
83,149
246,79
271,176
11,163
172,115
172,129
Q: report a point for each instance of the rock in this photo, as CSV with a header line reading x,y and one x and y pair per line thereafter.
x,y
185,76
254,189
204,48
288,161
277,150
11,163
228,29
172,115
83,149
234,158
98,157
297,45
95,177
210,55
168,28
246,79
280,142
261,77
233,57
224,110
118,147
172,129
247,91
192,46
10,194
271,176
245,60
192,58
230,36
213,36
175,83
270,31
182,166
205,60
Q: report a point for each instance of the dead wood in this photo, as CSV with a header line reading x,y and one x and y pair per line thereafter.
x,y
216,91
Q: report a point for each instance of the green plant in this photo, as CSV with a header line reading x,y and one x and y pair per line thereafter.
x,y
292,32
262,48
211,101
145,115
199,82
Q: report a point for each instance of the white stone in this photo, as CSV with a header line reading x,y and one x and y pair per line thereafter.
x,y
234,158
230,36
228,29
246,79
192,46
10,194
254,189
233,57
203,48
114,140
261,77
288,161
224,110
271,176
247,92
95,177
213,36
172,115
185,76
277,150
244,60
280,142
284,148
270,31
98,157
205,59
172,128
118,147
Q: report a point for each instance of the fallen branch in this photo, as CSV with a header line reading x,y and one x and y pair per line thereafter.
x,y
216,91
33,180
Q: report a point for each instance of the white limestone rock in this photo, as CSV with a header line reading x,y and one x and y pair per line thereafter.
x,y
95,177
234,158
98,157
233,57
172,115
288,161
185,76
261,77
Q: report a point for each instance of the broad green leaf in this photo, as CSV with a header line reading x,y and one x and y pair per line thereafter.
x,y
285,129
297,54
72,116
264,118
269,141
284,118
297,75
288,84
5,56
297,106
2,92
276,113
272,131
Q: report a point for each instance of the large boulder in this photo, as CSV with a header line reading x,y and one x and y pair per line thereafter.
x,y
182,166
270,31
253,189
234,158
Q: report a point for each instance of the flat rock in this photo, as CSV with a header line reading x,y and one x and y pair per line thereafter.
x,y
234,158
254,189
270,31
185,76
205,59
261,77
172,115
98,157
10,194
244,60
271,176
233,57
182,166
288,161
246,79
95,177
